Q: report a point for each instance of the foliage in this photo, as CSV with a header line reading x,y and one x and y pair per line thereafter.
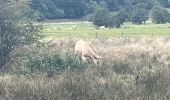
x,y
137,11
63,8
102,17
140,16
163,2
47,8
160,15
15,27
50,64
76,8
118,19
43,58
123,16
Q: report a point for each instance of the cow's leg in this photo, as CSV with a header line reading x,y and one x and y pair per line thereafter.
x,y
78,59
78,54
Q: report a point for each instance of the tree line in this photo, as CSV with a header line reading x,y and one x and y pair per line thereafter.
x,y
115,11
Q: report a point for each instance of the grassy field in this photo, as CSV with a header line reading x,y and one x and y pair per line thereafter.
x,y
88,30
132,69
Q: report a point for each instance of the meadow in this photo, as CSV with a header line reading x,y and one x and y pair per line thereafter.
x,y
133,68
86,29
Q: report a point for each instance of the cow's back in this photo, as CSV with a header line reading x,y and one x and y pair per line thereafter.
x,y
82,46
85,50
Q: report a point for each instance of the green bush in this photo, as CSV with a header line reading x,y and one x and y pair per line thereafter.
x,y
50,64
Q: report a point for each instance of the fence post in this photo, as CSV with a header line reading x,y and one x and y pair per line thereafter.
x,y
96,35
122,34
70,36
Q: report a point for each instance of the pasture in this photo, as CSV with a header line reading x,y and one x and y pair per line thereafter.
x,y
84,29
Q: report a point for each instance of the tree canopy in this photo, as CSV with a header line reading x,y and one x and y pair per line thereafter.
x,y
160,15
78,8
137,11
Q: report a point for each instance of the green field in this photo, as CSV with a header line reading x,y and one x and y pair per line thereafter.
x,y
88,30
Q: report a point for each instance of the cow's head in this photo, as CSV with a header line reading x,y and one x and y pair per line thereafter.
x,y
98,59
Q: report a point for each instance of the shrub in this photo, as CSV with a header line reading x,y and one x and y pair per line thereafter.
x,y
34,62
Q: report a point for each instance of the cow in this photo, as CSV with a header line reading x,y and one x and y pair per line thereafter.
x,y
86,52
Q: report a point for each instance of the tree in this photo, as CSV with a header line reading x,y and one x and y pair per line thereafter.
x,y
122,16
140,14
72,8
103,4
16,28
112,4
163,3
116,21
159,15
91,5
47,9
51,9
101,17
147,4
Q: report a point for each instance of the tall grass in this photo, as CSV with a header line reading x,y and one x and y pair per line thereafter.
x,y
132,69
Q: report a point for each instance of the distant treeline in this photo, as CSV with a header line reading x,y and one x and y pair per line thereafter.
x,y
53,9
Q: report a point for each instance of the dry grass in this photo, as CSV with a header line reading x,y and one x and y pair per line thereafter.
x,y
132,69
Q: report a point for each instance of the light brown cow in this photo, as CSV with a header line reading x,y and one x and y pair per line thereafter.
x,y
86,52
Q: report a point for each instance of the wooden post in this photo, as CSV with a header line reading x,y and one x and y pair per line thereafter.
x,y
96,35
70,36
122,34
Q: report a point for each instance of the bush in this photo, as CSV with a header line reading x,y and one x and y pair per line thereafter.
x,y
50,62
